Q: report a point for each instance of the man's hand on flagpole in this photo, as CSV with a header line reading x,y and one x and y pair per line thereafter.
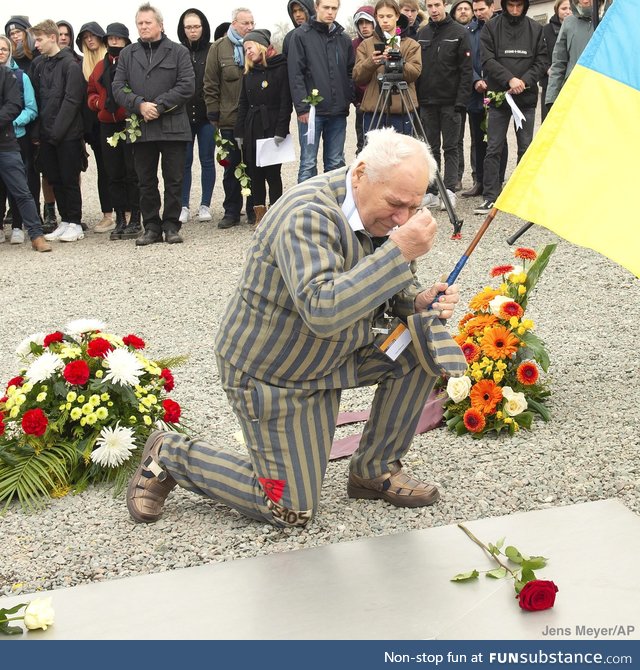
x,y
446,302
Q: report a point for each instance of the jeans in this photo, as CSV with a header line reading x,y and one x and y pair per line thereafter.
x,y
333,130
442,126
146,156
401,123
497,127
61,165
205,134
14,177
232,190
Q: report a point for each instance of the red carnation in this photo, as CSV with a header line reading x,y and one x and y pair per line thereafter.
x,y
224,162
537,595
171,411
16,381
99,347
76,373
168,379
34,422
53,337
133,341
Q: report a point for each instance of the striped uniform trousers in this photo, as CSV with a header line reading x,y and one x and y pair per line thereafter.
x,y
289,433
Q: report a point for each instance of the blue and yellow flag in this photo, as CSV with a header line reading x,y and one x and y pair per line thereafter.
x,y
580,177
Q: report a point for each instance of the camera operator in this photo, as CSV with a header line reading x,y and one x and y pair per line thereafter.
x,y
389,54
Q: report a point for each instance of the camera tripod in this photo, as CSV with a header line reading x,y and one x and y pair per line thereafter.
x,y
391,84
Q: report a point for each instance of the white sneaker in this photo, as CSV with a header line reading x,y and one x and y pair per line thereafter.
x,y
430,200
73,233
58,232
452,199
204,213
17,236
184,215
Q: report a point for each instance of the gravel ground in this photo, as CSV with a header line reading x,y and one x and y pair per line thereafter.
x,y
586,308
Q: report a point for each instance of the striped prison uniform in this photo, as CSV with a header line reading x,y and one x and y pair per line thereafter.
x,y
298,330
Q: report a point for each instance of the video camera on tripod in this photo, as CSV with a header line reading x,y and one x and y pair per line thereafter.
x,y
393,65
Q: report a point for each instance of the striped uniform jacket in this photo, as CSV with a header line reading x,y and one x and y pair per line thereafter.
x,y
309,291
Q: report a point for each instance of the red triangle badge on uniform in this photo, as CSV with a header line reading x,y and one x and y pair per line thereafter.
x,y
273,488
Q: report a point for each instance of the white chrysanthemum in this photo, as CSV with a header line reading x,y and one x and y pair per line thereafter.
x,y
44,367
80,326
114,446
123,367
24,348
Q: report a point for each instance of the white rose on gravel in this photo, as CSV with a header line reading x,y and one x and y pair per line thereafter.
x,y
458,388
497,303
515,403
39,614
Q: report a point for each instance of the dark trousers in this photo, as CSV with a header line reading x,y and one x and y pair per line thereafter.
x,y
171,156
463,123
260,178
442,127
61,165
232,190
104,192
479,148
120,169
14,177
497,127
33,181
359,131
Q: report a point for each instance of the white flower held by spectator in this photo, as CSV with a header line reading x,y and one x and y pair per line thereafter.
x,y
458,388
39,614
114,446
123,367
515,403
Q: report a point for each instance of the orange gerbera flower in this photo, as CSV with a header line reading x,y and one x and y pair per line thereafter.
x,y
499,342
480,301
471,351
485,396
527,373
474,422
500,270
468,316
509,309
526,253
480,322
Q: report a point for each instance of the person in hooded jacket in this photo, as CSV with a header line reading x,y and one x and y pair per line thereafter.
x,y
17,29
370,65
264,110
561,9
300,11
118,159
194,33
417,18
365,24
67,38
514,59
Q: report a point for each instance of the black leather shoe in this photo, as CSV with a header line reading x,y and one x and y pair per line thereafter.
x,y
172,237
149,237
228,221
474,191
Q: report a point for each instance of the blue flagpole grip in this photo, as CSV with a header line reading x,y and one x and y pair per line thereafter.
x,y
453,275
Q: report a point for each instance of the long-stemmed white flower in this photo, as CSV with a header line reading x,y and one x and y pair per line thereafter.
x,y
114,446
123,367
80,326
44,367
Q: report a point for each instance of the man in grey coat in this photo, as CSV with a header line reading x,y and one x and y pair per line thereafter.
x,y
154,81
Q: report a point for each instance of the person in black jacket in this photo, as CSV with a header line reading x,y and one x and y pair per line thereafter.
x,y
321,58
444,88
300,11
264,110
514,58
60,92
194,33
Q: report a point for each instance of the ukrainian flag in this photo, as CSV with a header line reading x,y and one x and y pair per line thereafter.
x,y
580,177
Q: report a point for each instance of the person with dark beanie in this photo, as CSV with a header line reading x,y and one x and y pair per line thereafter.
x,y
117,157
264,111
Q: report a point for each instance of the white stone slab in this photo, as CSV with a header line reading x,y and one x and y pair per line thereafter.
x,y
392,587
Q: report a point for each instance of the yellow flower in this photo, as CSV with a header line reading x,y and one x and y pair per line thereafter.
x,y
62,407
20,399
147,402
499,415
14,412
27,387
10,403
133,419
83,421
11,390
87,409
91,419
516,425
147,420
522,289
518,277
153,399
501,366
104,397
67,405
80,399
70,351
105,364
102,413
76,413
528,324
498,377
514,321
142,409
109,404
71,396
99,374
508,420
94,399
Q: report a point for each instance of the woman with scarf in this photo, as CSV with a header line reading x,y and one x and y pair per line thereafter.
x,y
264,111
118,159
91,43
390,33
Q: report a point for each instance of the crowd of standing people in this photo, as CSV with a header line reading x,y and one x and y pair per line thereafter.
x,y
147,102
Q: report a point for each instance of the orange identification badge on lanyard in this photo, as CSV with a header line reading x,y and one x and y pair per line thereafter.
x,y
396,341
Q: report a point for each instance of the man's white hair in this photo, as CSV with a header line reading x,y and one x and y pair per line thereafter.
x,y
239,10
385,149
